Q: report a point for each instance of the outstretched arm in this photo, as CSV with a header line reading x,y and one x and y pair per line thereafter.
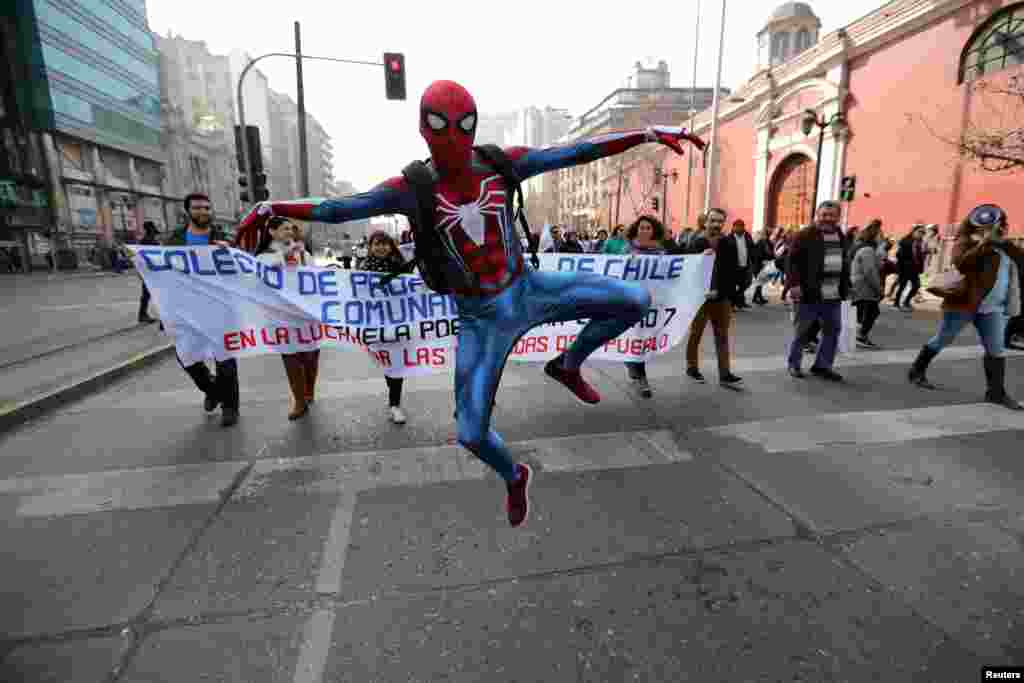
x,y
530,162
392,196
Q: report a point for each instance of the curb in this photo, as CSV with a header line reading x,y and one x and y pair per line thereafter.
x,y
72,345
36,406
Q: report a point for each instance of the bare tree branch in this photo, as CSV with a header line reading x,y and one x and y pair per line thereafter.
x,y
994,148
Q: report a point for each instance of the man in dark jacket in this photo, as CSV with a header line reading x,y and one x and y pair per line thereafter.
x,y
148,239
222,390
818,277
743,243
910,259
571,244
718,304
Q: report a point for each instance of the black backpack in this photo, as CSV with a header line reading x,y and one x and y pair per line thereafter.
x,y
429,251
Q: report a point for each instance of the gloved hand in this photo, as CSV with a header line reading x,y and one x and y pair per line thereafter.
x,y
670,136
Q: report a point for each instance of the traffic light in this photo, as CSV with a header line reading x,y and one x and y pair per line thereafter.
x,y
655,203
254,156
260,192
394,75
849,188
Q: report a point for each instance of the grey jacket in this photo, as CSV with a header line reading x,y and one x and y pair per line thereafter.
x,y
865,275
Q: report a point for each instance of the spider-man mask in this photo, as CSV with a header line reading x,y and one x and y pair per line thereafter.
x,y
448,124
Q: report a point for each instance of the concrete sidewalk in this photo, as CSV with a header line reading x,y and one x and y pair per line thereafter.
x,y
67,334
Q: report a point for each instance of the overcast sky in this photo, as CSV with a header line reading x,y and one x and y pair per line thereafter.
x,y
509,55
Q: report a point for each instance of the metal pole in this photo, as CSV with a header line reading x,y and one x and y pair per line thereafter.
x,y
243,153
664,198
303,151
241,104
693,111
817,170
712,153
618,194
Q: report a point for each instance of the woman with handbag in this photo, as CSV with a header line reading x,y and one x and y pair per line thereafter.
x,y
985,291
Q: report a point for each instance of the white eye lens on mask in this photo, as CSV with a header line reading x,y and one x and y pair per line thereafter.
x,y
468,123
436,122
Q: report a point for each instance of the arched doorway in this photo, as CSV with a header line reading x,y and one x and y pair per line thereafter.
x,y
791,192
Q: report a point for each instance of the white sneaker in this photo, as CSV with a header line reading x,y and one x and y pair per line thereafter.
x,y
397,415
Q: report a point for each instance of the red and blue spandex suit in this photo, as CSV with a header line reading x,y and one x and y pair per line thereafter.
x,y
505,299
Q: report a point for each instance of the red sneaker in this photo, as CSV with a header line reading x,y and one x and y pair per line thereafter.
x,y
518,502
572,379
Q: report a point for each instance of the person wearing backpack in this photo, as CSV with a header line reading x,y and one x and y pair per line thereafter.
x,y
461,203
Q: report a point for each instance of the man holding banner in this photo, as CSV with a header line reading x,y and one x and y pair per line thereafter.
x,y
498,298
223,388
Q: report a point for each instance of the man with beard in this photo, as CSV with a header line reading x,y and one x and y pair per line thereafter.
x,y
818,279
222,390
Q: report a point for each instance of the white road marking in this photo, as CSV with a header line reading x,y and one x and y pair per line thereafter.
x,y
851,360
316,645
374,386
332,557
351,473
811,432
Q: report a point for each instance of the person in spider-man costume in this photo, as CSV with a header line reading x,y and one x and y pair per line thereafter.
x,y
499,299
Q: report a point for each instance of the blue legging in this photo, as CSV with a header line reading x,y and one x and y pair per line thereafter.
x,y
991,329
490,326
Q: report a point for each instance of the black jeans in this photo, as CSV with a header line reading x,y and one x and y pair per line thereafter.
x,y
394,391
915,284
144,301
224,386
636,370
867,314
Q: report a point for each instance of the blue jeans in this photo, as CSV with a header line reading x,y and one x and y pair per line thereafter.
x,y
831,317
490,326
991,328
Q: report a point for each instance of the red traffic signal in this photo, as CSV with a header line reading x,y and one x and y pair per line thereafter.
x,y
394,75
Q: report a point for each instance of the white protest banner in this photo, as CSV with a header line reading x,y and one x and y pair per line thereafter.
x,y
221,303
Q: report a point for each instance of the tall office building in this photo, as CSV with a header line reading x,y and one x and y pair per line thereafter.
x,y
86,80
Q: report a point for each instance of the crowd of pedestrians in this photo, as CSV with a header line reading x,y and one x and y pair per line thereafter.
x,y
816,267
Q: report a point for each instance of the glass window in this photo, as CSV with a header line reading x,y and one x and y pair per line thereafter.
x,y
105,15
72,106
780,47
803,40
52,17
997,45
126,94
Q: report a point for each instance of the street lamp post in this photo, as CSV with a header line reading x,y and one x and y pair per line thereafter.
x,y
713,149
809,121
693,111
664,193
243,153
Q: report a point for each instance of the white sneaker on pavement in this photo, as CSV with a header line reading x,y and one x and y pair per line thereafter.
x,y
397,415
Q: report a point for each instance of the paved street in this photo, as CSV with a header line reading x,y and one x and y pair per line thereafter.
x,y
795,530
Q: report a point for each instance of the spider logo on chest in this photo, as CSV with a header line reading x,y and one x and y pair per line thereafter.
x,y
472,218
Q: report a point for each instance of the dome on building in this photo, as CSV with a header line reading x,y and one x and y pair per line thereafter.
x,y
792,10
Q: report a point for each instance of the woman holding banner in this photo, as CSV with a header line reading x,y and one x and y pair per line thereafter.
x,y
384,256
282,245
645,237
